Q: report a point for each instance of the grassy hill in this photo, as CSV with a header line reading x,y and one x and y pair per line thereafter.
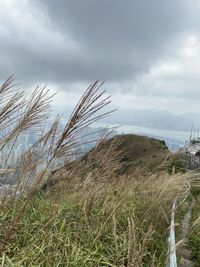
x,y
106,209
136,152
94,215
121,155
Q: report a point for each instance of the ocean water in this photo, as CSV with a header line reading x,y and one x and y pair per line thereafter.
x,y
174,139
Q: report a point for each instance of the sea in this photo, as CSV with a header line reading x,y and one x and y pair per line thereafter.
x,y
173,139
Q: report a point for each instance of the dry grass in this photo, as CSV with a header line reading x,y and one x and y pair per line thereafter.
x,y
122,223
19,114
98,221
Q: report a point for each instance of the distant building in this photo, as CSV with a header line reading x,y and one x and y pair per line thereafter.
x,y
193,146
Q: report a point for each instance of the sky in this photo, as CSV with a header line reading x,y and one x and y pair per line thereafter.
x,y
147,51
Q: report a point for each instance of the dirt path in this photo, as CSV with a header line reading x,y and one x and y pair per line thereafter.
x,y
185,253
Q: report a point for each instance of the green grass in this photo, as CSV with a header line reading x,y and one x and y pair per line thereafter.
x,y
194,237
120,219
63,228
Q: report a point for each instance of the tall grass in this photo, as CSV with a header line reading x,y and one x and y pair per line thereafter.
x,y
89,216
19,114
122,223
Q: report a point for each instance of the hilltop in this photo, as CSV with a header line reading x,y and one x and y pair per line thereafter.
x,y
134,152
120,155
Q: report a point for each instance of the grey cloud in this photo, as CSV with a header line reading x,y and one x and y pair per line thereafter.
x,y
119,39
113,40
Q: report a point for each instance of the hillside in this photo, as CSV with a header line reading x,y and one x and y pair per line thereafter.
x,y
97,224
119,155
109,208
134,152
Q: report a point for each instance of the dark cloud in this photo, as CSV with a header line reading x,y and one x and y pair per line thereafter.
x,y
118,39
70,41
147,50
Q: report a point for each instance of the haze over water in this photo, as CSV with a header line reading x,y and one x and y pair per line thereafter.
x,y
171,137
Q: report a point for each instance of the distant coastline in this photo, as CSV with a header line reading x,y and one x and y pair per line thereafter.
x,y
173,138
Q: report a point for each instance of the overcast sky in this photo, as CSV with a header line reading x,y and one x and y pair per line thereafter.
x,y
148,51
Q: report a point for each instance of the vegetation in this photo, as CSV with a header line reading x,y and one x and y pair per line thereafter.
x,y
119,224
188,223
88,212
139,152
194,235
125,154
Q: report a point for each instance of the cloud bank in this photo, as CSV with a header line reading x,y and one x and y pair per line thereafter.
x,y
146,50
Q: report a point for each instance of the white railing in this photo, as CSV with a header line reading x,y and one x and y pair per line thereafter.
x,y
172,261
